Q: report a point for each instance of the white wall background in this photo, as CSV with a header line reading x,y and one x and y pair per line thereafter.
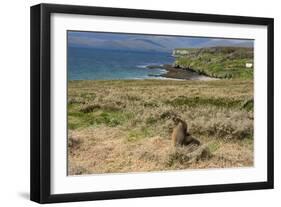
x,y
14,102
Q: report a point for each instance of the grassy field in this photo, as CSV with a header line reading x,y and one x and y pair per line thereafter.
x,y
124,125
218,62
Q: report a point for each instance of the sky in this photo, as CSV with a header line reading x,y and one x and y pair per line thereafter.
x,y
140,42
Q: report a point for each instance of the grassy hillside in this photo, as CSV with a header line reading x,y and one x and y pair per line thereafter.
x,y
124,126
218,62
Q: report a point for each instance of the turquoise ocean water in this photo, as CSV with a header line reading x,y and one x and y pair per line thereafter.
x,y
100,64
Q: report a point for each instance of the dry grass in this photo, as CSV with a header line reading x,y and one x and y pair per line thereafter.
x,y
125,126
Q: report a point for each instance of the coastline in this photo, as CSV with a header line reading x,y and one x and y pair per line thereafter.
x,y
179,73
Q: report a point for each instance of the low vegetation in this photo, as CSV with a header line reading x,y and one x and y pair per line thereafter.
x,y
218,62
125,125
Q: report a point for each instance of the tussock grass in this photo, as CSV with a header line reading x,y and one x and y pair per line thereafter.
x,y
188,155
73,142
197,101
89,108
125,125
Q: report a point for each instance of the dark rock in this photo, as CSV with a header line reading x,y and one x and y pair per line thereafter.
x,y
154,66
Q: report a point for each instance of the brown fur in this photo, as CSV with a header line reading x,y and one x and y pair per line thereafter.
x,y
180,135
179,132
191,140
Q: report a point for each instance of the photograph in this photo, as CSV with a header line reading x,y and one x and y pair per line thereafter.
x,y
129,103
141,103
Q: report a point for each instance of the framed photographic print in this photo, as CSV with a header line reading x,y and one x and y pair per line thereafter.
x,y
133,103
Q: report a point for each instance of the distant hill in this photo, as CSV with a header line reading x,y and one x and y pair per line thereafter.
x,y
138,44
150,43
219,62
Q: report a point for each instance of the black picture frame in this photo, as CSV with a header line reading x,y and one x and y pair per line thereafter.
x,y
41,97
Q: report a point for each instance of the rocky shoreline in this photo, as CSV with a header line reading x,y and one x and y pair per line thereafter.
x,y
179,73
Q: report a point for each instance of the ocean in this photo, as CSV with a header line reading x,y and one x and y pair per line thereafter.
x,y
101,64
